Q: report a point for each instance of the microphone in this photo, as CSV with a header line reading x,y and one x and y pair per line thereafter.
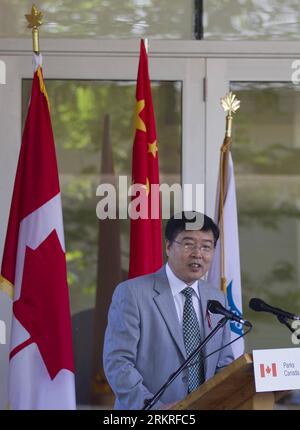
x,y
215,307
259,305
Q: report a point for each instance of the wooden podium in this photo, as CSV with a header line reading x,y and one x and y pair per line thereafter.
x,y
232,388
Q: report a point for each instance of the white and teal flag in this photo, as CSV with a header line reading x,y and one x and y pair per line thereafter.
x,y
232,258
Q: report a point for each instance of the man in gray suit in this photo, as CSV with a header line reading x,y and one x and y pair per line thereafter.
x,y
155,321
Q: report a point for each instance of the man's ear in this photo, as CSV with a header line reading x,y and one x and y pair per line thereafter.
x,y
168,246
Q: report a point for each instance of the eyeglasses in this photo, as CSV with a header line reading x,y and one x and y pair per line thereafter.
x,y
191,246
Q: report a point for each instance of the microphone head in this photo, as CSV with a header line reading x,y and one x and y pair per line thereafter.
x,y
257,305
260,306
214,306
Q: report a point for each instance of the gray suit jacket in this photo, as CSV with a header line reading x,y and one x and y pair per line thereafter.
x,y
144,342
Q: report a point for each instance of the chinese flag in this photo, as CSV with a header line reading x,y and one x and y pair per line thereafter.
x,y
145,231
41,370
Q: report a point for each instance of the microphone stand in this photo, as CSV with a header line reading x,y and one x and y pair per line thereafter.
x,y
149,403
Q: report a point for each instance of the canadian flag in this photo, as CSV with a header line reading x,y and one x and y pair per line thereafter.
x,y
41,370
266,370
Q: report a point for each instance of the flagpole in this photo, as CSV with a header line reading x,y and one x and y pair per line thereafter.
x,y
230,104
35,20
41,342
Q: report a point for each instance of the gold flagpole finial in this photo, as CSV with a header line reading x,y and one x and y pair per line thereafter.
x,y
230,104
35,20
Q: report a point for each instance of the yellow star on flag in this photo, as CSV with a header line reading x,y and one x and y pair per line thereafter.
x,y
138,122
152,148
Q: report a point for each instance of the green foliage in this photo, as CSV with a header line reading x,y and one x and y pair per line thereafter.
x,y
276,287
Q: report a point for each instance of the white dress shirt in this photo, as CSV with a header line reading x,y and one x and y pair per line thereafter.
x,y
177,285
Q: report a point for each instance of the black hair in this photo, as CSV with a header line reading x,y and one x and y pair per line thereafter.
x,y
184,221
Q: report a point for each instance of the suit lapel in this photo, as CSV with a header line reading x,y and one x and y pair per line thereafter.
x,y
165,302
204,294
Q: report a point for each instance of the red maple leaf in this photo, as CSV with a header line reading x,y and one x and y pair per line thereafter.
x,y
43,307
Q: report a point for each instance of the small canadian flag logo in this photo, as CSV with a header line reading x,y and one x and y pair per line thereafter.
x,y
266,370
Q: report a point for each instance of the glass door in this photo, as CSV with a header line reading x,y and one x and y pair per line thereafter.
x,y
266,155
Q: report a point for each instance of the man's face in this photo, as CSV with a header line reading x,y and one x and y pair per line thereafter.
x,y
185,258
